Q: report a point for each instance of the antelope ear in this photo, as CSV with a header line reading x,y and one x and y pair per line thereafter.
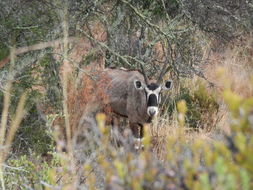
x,y
167,85
138,85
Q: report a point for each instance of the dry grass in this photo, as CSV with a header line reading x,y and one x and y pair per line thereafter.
x,y
237,62
230,67
165,128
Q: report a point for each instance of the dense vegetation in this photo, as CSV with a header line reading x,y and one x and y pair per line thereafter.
x,y
203,139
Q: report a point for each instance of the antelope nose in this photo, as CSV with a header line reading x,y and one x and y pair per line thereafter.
x,y
151,112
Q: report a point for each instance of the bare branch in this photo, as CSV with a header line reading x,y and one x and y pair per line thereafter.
x,y
38,46
155,27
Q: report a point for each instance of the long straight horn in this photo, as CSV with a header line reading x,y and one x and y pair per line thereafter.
x,y
144,73
162,73
140,46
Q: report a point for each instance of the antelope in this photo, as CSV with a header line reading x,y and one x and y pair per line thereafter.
x,y
131,95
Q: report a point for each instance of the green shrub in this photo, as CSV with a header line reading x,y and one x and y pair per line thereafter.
x,y
202,107
29,172
34,135
4,51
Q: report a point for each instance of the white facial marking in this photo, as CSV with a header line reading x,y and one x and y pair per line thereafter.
x,y
137,143
156,92
152,109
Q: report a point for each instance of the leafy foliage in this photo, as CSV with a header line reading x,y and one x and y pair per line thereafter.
x,y
202,107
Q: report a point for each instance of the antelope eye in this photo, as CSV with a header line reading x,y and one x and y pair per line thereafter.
x,y
138,84
167,85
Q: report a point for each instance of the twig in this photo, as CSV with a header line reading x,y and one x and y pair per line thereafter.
x,y
157,28
105,46
49,186
39,46
75,65
26,27
14,168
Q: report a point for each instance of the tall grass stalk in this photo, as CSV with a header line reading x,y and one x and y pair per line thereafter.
x,y
20,112
7,97
4,118
6,141
65,79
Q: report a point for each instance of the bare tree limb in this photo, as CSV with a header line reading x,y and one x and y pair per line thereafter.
x,y
155,27
38,46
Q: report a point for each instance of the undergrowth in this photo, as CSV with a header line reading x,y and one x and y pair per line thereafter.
x,y
186,164
202,107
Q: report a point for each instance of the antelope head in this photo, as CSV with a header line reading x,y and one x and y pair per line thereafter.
x,y
152,91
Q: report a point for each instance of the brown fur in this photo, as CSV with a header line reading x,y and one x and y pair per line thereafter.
x,y
124,99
